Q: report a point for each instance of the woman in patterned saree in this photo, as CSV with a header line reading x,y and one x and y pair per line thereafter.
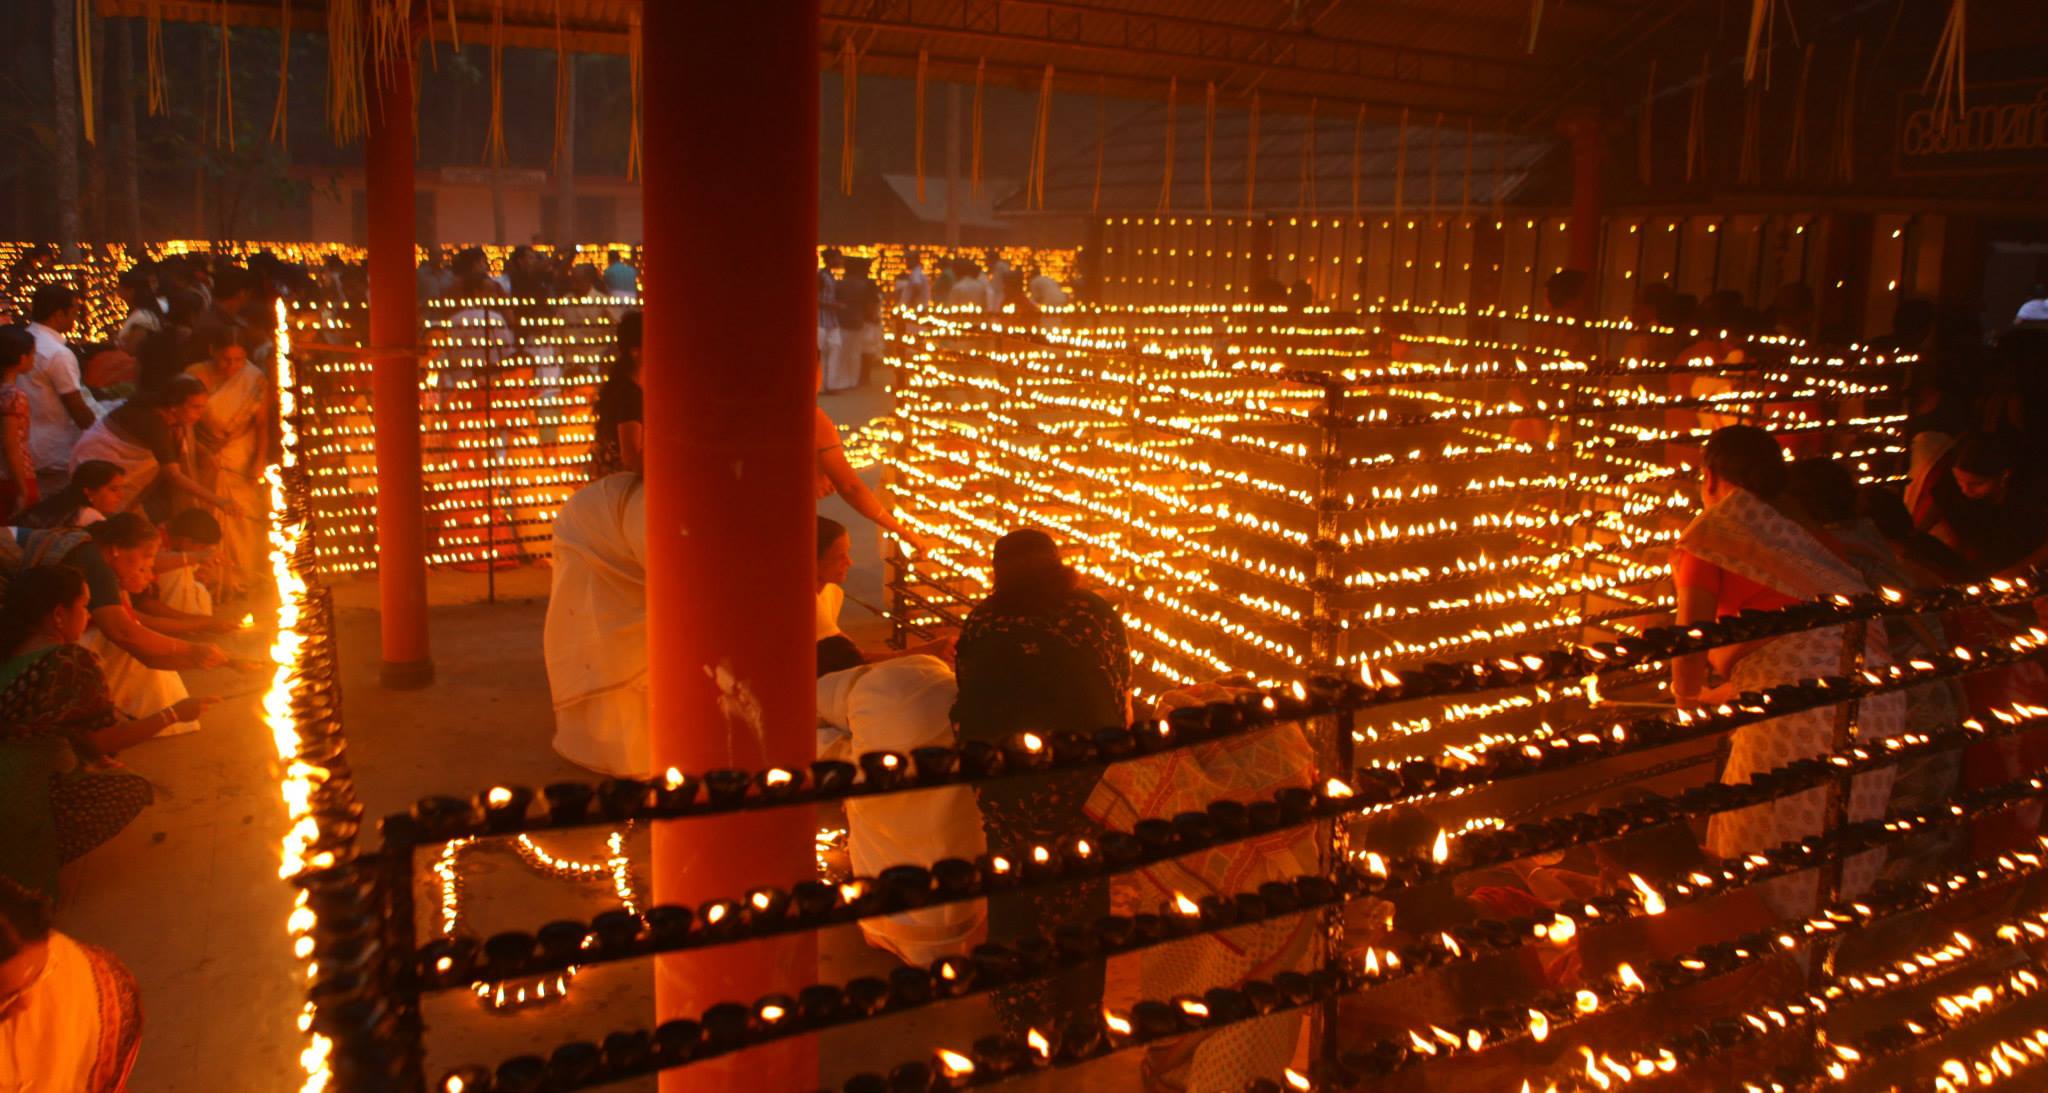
x,y
1743,552
1041,655
70,1016
60,795
1243,769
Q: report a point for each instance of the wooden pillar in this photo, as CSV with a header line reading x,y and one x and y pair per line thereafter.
x,y
731,162
394,379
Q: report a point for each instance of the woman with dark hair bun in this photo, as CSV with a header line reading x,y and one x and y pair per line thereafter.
x,y
1041,655
1744,552
97,488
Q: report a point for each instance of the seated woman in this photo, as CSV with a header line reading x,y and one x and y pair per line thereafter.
x,y
70,1016
896,706
836,651
1043,655
1988,500
595,637
230,441
60,793
139,645
143,437
1741,552
97,488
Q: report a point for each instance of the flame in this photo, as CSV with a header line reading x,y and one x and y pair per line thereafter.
x,y
851,891
1539,1030
1375,864
1082,849
673,779
1440,852
1033,743
772,1013
1629,979
1653,904
776,777
1193,1008
1116,1024
1338,789
499,796
1040,855
955,1064
761,900
1039,1045
1186,906
1297,1080
1585,1001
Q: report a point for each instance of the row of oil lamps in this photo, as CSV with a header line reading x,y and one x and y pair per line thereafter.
x,y
731,1026
619,935
622,932
510,810
615,935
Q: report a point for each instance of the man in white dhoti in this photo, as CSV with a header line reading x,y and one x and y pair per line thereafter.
x,y
595,637
899,705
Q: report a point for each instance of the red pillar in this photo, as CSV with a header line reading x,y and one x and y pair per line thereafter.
x,y
1589,162
730,136
395,385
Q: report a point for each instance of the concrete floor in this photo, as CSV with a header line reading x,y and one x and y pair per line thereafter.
x,y
188,896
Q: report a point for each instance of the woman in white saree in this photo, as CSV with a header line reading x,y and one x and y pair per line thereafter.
x,y
229,444
595,638
898,705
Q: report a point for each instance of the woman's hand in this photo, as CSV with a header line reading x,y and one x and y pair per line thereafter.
x,y
190,709
208,656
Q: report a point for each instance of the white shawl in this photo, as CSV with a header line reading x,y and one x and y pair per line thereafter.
x,y
897,705
595,637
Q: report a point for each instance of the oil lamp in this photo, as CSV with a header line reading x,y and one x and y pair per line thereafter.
x,y
568,802
574,1063
504,808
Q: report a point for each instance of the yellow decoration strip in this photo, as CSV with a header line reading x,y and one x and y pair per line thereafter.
x,y
1795,147
1209,148
153,57
1401,165
1101,137
224,92
1305,198
494,136
1357,157
1166,174
563,134
849,110
1251,159
1845,119
81,36
1946,74
279,114
974,137
633,63
923,65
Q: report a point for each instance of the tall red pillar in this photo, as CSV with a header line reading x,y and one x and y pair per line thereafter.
x,y
730,141
1588,137
394,379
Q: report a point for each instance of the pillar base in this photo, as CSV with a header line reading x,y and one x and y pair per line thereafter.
x,y
408,675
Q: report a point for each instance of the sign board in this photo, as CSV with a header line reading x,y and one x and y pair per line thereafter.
x,y
2002,127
